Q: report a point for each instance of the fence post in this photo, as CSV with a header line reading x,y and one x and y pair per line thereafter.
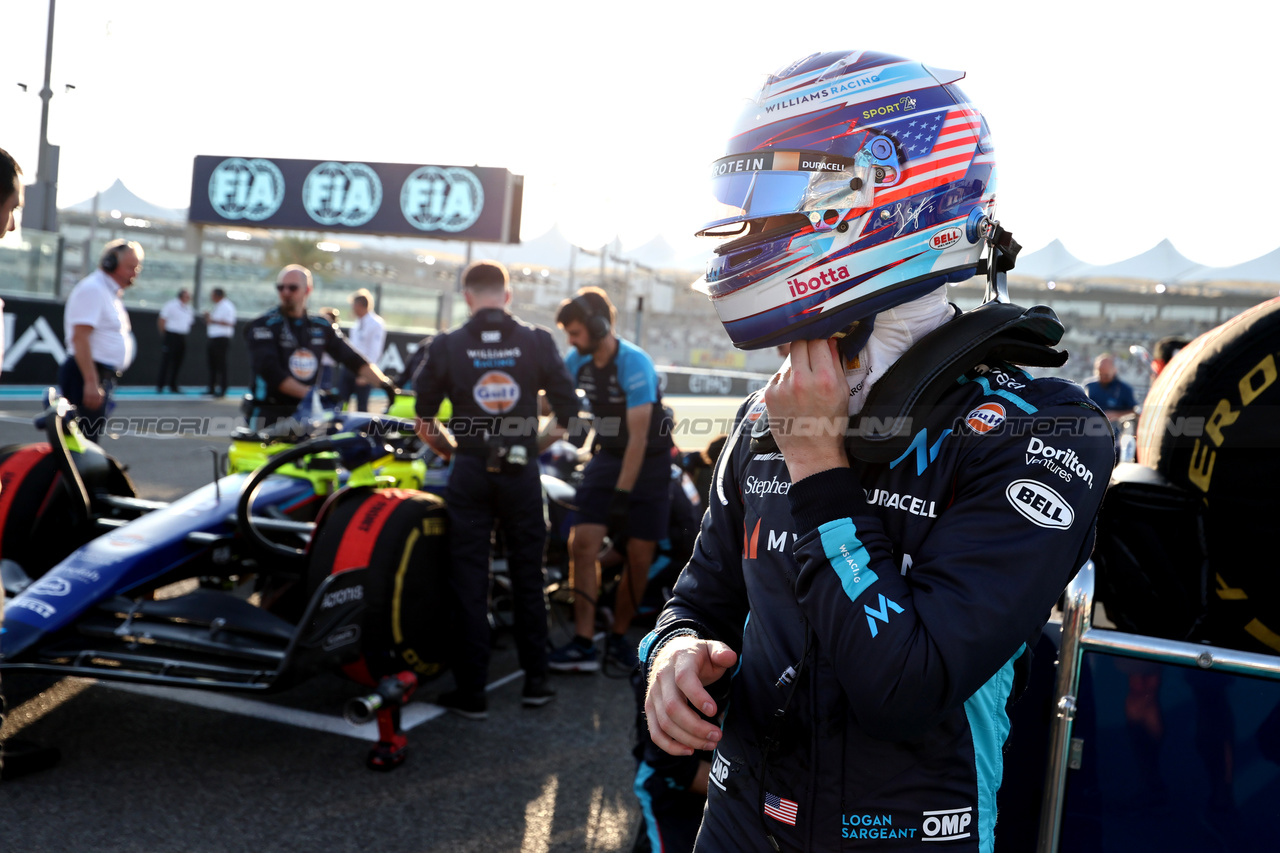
x,y
57,267
198,283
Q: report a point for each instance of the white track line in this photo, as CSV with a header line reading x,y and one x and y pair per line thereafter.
x,y
412,715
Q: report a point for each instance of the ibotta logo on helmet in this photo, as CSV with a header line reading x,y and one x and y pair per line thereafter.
x,y
803,286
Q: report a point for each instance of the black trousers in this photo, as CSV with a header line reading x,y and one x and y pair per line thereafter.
x,y
172,351
218,365
71,381
475,499
347,386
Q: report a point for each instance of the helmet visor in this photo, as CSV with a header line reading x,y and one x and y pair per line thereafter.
x,y
774,183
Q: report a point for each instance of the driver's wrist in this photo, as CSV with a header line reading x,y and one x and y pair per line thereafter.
x,y
670,643
801,465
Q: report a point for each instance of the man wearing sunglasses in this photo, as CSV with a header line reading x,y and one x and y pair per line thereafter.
x,y
285,345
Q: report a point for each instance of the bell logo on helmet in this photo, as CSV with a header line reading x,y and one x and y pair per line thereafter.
x,y
946,238
825,278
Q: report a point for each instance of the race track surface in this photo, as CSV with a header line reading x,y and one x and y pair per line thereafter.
x,y
159,770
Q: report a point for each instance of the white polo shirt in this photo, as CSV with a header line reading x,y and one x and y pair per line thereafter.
x,y
369,337
178,316
95,302
223,312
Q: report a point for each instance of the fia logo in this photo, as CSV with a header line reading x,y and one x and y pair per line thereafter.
x,y
342,194
246,189
436,199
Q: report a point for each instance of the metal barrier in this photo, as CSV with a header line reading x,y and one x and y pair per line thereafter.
x,y
1079,636
709,381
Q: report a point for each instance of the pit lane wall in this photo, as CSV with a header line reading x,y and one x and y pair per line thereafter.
x,y
34,349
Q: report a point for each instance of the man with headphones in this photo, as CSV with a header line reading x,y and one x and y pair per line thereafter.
x,y
625,488
492,369
99,338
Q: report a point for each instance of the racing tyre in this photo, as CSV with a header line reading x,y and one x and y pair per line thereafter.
x,y
1211,427
39,525
401,536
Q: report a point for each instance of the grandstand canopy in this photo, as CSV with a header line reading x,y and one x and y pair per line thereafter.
x,y
1053,261
1161,263
1263,269
121,198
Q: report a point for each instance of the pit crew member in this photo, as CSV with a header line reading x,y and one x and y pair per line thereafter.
x,y
493,368
624,488
285,345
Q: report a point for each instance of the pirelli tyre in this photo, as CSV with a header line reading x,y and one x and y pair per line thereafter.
x,y
401,536
1211,427
40,523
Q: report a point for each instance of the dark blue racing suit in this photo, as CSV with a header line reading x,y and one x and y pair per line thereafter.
x,y
281,347
905,595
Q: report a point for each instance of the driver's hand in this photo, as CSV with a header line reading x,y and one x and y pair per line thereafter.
x,y
93,397
677,678
805,398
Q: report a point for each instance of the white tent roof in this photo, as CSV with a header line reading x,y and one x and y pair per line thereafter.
x,y
1053,261
1264,269
1161,263
121,198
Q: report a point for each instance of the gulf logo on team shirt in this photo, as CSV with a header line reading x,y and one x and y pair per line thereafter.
x,y
754,413
303,364
496,392
985,418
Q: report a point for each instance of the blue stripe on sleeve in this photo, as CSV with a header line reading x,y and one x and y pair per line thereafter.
x,y
1008,395
847,555
643,773
646,643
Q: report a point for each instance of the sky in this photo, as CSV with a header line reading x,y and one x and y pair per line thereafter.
x,y
1116,124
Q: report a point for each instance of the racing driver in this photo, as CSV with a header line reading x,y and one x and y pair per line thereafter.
x,y
285,345
865,624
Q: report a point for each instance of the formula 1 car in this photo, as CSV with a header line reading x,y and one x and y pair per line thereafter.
x,y
316,550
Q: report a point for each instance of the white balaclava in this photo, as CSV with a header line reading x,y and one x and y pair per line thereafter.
x,y
895,331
